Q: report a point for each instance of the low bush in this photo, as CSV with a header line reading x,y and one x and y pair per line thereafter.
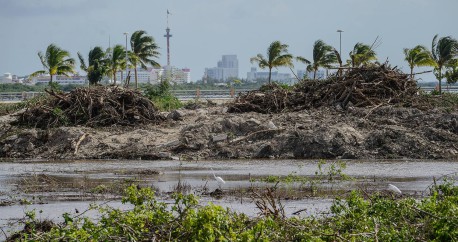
x,y
357,217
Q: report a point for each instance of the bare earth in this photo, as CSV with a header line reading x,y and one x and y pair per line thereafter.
x,y
212,133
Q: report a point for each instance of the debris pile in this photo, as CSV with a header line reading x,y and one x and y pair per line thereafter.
x,y
94,107
271,98
360,87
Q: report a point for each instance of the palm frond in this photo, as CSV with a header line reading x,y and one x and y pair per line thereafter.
x,y
82,62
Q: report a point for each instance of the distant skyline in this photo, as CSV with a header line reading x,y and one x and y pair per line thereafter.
x,y
204,30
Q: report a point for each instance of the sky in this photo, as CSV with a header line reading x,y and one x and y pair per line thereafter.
x,y
204,30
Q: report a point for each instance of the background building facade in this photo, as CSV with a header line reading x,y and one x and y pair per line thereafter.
x,y
255,75
227,69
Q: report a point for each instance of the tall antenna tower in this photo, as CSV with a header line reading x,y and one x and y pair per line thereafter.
x,y
168,35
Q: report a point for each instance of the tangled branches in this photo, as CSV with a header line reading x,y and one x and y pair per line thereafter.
x,y
94,107
360,87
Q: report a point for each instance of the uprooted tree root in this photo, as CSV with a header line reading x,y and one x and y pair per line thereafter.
x,y
360,87
94,107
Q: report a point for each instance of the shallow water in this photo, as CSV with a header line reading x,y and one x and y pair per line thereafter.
x,y
66,185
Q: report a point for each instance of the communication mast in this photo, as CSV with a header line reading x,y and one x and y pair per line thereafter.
x,y
168,35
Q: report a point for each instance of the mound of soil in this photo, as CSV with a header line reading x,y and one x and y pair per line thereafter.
x,y
93,107
359,87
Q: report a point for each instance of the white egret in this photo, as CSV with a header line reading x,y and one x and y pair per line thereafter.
x,y
218,179
394,189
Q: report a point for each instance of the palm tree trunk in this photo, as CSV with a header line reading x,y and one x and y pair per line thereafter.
x,y
114,77
411,73
440,80
314,74
50,80
136,83
270,74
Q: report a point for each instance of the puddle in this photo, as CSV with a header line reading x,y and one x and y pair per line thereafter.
x,y
65,185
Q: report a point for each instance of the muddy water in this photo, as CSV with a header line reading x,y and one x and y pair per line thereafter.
x,y
57,187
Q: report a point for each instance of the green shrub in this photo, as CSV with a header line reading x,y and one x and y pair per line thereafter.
x,y
161,96
357,217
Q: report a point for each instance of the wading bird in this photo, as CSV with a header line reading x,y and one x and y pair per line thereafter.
x,y
394,189
218,179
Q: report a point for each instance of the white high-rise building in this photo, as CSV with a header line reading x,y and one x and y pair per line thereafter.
x,y
143,76
320,74
227,67
154,75
6,78
60,79
254,75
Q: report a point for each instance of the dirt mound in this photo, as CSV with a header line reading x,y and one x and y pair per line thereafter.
x,y
94,107
359,87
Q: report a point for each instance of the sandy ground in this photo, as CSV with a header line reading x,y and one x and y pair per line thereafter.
x,y
212,133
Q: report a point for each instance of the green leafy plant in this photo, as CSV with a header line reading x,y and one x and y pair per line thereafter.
x,y
161,96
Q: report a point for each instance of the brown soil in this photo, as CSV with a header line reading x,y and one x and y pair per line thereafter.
x,y
213,133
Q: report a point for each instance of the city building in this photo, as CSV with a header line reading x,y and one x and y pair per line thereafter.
x,y
320,74
6,78
143,76
227,68
255,75
154,75
60,79
175,75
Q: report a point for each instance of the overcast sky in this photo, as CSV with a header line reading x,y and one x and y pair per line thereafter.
x,y
203,30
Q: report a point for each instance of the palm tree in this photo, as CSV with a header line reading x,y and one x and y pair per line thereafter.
x,y
144,49
444,51
451,73
116,60
277,55
339,60
361,55
56,61
418,56
97,65
323,56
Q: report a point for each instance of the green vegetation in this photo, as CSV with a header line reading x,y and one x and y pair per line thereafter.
x,y
361,55
97,65
445,53
16,87
418,56
56,61
327,173
357,217
144,48
161,97
323,56
116,60
9,108
277,56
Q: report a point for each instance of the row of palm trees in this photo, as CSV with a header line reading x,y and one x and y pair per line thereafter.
x,y
143,53
443,58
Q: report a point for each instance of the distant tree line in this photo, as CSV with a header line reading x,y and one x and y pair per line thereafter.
x,y
443,58
143,52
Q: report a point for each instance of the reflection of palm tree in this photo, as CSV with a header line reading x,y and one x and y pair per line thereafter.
x,y
361,55
323,56
144,49
56,61
444,51
96,65
116,61
277,55
418,56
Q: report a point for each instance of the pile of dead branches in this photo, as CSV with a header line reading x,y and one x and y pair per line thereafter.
x,y
94,107
359,87
269,99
